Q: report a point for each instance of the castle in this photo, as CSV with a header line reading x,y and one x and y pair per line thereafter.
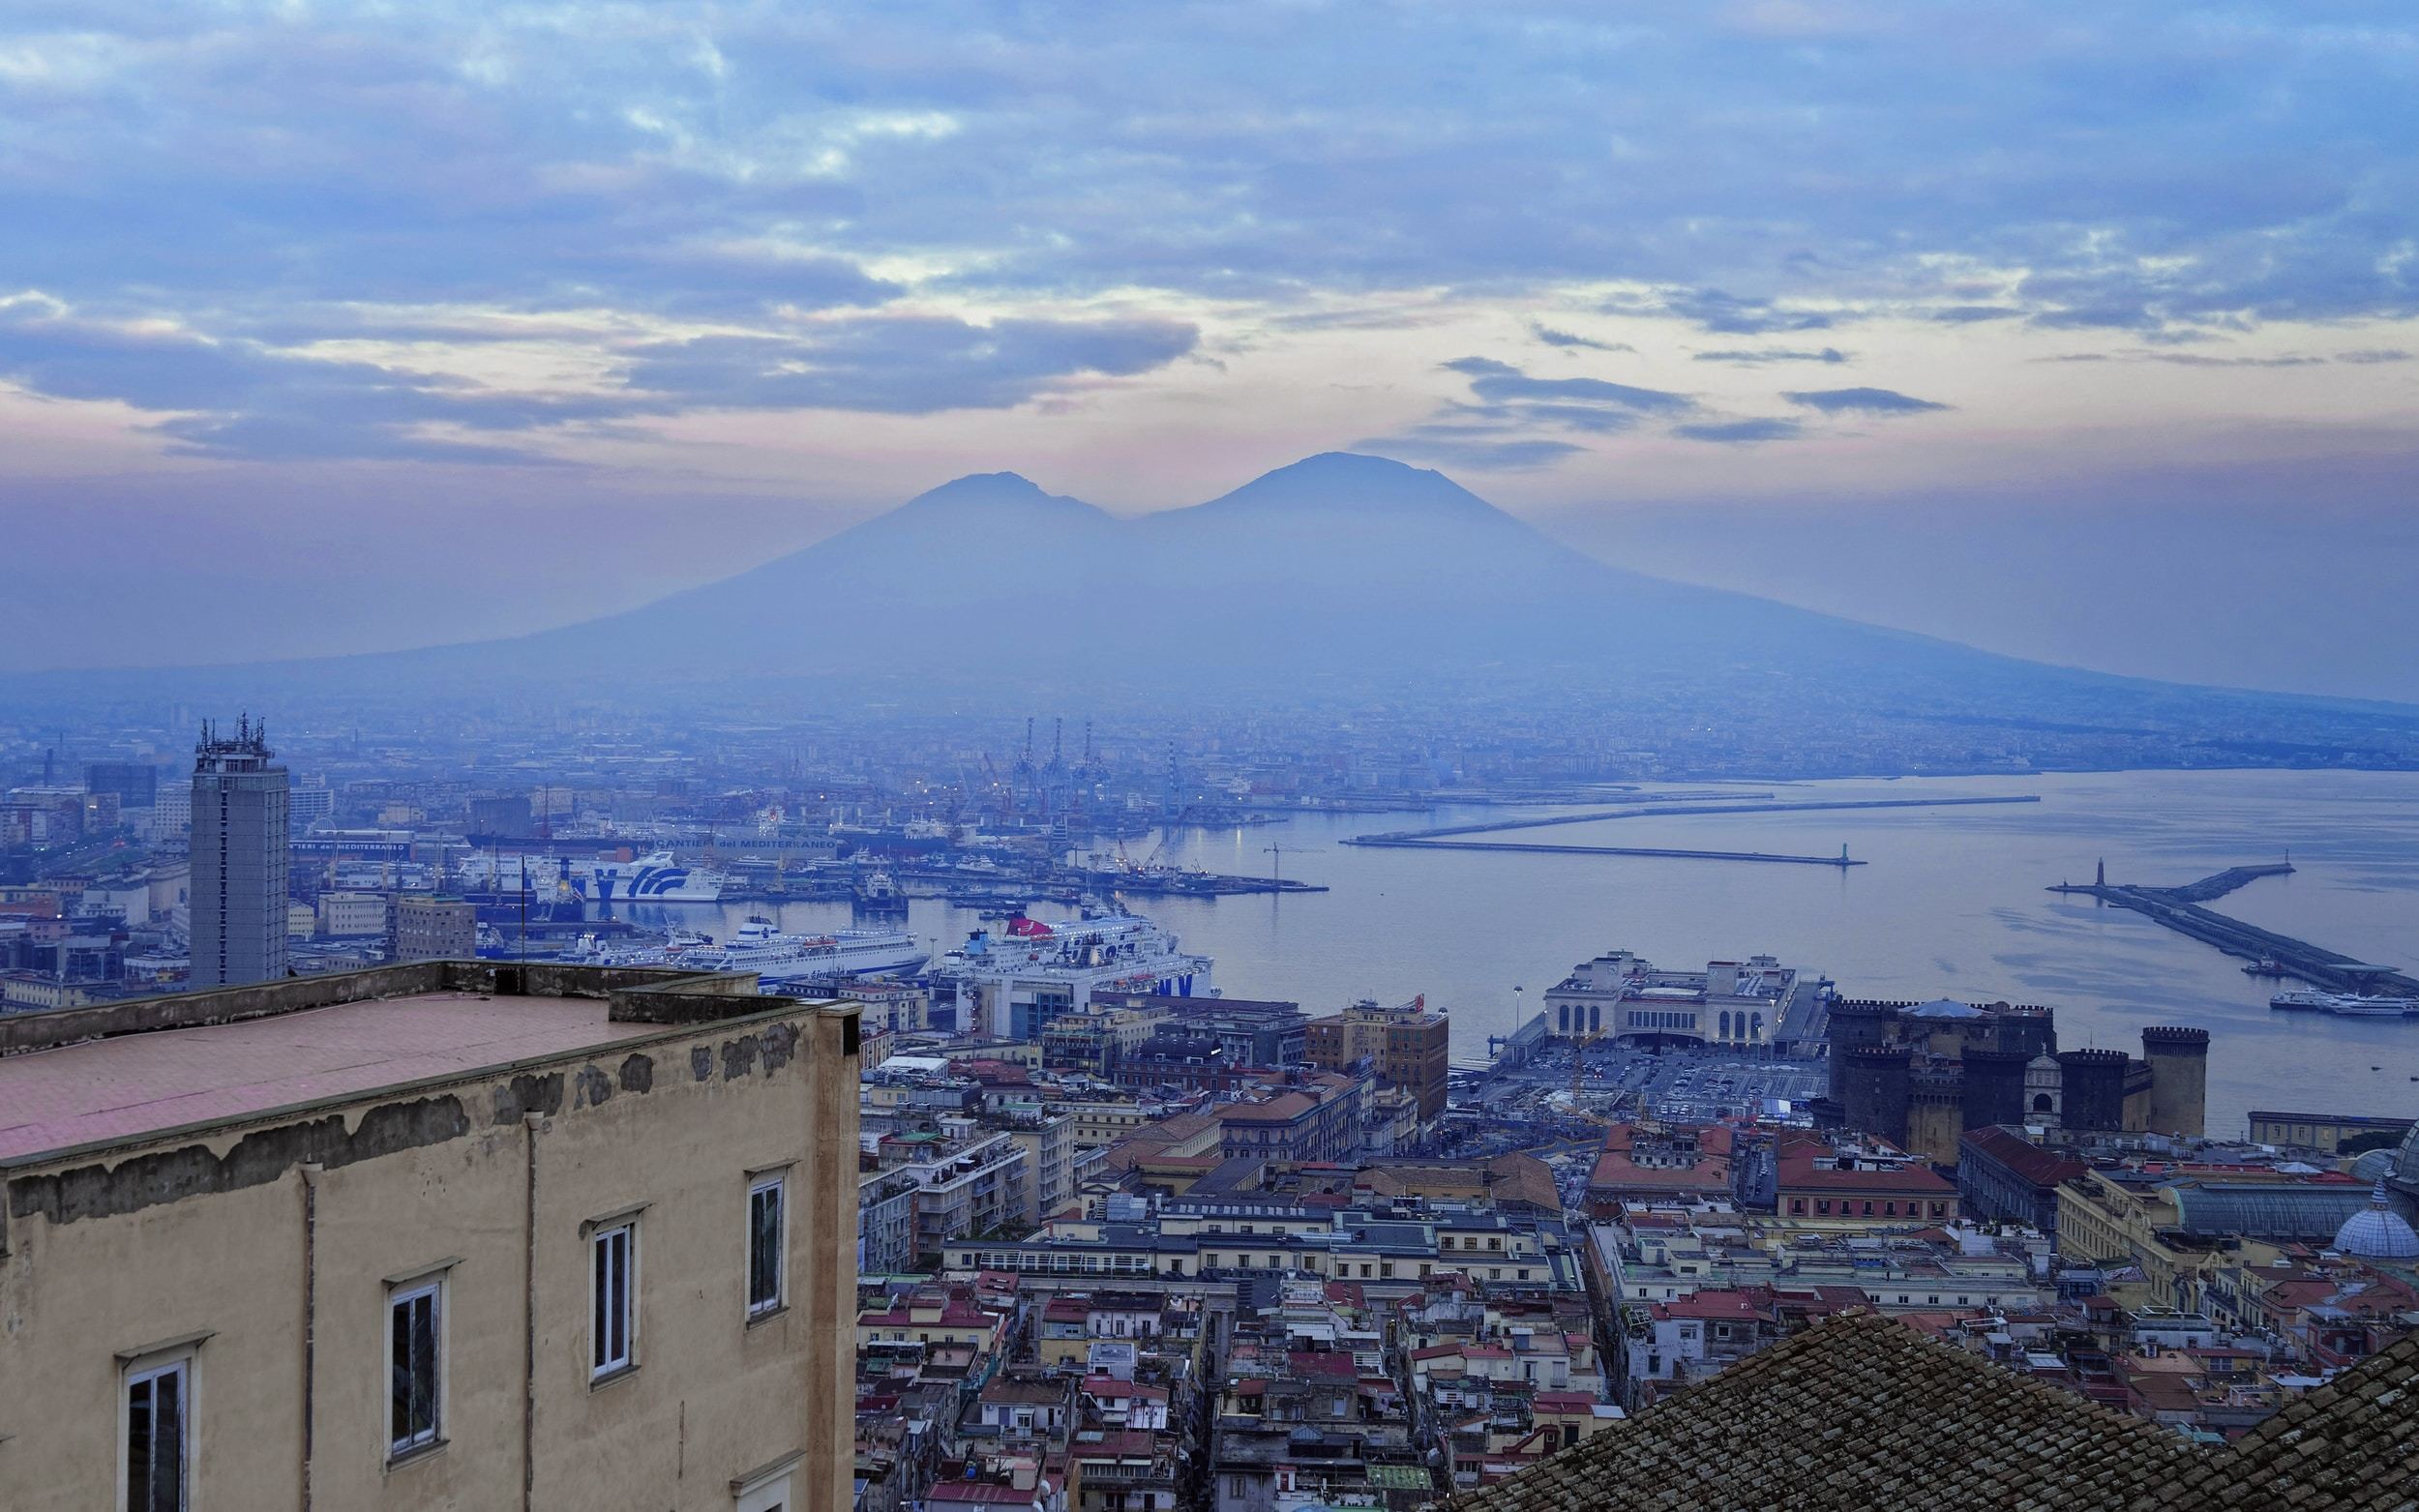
x,y
1920,1075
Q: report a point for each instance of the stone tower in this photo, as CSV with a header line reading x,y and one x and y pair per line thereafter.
x,y
2179,1078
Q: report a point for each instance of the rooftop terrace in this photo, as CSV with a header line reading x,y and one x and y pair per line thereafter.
x,y
129,1070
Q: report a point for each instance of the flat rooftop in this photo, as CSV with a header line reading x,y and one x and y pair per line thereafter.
x,y
135,1085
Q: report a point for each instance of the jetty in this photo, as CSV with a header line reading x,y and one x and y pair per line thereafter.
x,y
1544,848
2180,910
1669,810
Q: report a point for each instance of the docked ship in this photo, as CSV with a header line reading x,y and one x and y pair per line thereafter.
x,y
1010,983
879,894
2347,1005
760,947
654,877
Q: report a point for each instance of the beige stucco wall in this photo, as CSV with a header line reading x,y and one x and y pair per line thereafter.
x,y
711,1398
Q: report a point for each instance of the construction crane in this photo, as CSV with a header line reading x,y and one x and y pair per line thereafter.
x,y
1581,1039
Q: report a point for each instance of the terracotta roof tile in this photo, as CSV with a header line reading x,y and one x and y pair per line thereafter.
x,y
1859,1413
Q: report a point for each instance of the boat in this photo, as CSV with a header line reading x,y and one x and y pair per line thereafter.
x,y
878,893
2347,1005
760,947
592,950
1012,982
654,877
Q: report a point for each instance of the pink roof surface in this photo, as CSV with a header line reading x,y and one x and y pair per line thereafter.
x,y
135,1084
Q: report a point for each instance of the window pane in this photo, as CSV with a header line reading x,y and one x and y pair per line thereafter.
x,y
398,1373
167,1448
764,1246
597,1330
424,1367
614,1301
138,1446
621,1296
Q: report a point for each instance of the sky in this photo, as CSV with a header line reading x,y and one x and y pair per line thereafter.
x,y
2082,332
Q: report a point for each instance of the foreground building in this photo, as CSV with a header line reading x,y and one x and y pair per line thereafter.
x,y
1863,1413
451,1234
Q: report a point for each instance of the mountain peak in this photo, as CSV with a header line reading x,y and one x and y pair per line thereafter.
x,y
1353,484
994,492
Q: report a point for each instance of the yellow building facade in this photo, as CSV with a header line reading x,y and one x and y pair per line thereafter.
x,y
545,1238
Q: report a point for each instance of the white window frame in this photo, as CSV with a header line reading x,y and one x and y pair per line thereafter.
x,y
603,1362
136,1371
776,1182
402,1295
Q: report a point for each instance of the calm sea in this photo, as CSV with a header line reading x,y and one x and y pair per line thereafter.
x,y
1951,904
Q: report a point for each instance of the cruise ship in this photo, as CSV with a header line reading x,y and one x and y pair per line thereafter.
x,y
1008,985
2349,1005
654,877
761,948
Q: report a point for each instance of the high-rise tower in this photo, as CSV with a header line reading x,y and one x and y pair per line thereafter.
x,y
239,859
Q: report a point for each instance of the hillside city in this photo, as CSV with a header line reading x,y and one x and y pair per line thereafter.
x,y
1116,1241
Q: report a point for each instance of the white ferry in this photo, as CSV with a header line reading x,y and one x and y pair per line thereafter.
x,y
1013,982
2347,1005
761,948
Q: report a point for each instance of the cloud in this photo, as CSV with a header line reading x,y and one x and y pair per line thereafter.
x,y
1566,338
235,397
2204,360
1500,382
1860,401
1828,354
2216,360
690,172
1726,314
903,365
232,398
1474,451
1738,430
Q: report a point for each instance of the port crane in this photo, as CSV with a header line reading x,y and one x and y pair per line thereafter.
x,y
1581,1039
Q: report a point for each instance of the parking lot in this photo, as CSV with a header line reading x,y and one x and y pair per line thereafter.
x,y
1685,1084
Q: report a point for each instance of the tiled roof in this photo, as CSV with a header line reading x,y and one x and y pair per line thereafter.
x,y
2031,1163
1799,1172
2352,1444
1859,1413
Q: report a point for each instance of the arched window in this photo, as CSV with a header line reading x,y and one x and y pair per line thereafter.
x,y
1759,1026
2041,1102
1725,1031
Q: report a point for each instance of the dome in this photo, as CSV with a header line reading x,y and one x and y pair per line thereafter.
x,y
2372,1164
2407,1158
2377,1232
1946,1008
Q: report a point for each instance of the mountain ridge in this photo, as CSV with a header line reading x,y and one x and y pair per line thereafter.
x,y
1342,579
